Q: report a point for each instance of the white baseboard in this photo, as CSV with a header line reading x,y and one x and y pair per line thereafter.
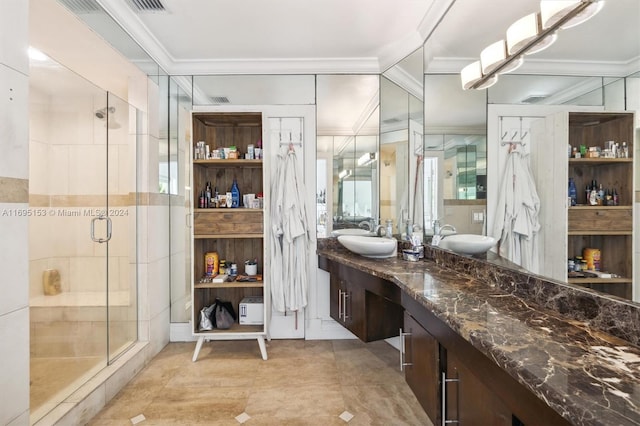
x,y
316,329
181,332
326,329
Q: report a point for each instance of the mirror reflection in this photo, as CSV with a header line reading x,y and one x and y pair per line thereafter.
x,y
401,145
571,75
347,191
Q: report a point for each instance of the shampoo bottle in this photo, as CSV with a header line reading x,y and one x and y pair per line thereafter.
x,y
235,194
573,193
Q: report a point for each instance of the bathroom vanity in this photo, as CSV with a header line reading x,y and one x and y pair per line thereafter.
x,y
485,344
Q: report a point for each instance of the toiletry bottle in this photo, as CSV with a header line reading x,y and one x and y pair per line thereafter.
x,y
573,193
389,231
587,192
207,194
601,199
235,194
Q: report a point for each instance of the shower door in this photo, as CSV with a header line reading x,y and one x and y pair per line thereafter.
x,y
119,218
82,245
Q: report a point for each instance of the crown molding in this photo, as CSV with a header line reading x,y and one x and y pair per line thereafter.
x,y
405,80
433,17
533,66
138,31
276,66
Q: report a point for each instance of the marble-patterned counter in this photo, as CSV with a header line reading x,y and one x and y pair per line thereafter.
x,y
569,353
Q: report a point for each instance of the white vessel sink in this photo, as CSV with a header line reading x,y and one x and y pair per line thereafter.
x,y
375,247
467,243
350,231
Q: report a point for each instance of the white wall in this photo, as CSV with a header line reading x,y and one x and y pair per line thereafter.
x,y
14,175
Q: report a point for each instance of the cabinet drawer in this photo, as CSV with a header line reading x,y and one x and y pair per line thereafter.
x,y
227,222
600,220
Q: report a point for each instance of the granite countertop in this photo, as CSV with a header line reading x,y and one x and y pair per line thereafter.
x,y
588,376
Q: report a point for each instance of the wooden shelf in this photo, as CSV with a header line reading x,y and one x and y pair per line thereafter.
x,y
233,284
214,236
599,160
594,208
629,232
600,280
226,209
235,328
229,163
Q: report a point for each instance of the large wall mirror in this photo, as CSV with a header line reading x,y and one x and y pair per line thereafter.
x,y
592,66
401,144
348,111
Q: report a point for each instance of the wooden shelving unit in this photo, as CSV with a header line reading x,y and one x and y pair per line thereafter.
x,y
607,228
236,234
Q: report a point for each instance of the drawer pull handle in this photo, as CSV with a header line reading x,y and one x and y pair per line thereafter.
x,y
600,213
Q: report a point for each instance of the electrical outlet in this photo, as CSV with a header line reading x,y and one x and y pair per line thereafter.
x,y
477,217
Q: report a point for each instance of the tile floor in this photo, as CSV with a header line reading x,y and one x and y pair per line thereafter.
x,y
302,383
55,378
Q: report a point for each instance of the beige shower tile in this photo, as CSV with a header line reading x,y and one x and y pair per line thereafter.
x,y
13,190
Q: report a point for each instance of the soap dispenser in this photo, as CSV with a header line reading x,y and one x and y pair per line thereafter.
x,y
389,228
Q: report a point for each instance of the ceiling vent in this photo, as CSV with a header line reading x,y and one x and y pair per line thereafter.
x,y
534,99
81,6
219,99
146,6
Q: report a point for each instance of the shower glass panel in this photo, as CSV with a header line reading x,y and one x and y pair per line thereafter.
x,y
122,135
82,202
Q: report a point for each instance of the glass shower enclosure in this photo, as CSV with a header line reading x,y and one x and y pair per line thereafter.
x,y
82,231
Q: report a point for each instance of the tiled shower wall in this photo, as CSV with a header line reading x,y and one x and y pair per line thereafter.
x,y
14,183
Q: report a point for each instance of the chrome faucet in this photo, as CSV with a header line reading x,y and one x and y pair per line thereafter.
x,y
366,224
437,232
447,226
380,231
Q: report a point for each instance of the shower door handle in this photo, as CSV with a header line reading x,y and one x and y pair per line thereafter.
x,y
93,229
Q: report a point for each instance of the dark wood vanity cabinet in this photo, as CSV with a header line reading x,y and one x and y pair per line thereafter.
x,y
421,364
347,305
475,391
366,305
468,400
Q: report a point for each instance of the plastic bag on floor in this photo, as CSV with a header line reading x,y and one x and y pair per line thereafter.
x,y
205,318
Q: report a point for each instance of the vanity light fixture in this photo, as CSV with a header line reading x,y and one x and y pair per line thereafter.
x,y
344,174
527,35
36,55
367,158
552,11
524,31
472,77
494,55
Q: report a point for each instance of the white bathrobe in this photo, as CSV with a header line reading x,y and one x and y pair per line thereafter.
x,y
289,235
516,223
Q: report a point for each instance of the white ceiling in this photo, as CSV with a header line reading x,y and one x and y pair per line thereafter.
x,y
293,36
211,37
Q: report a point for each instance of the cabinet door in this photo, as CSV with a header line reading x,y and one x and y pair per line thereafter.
x,y
346,305
335,298
469,401
355,313
422,367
